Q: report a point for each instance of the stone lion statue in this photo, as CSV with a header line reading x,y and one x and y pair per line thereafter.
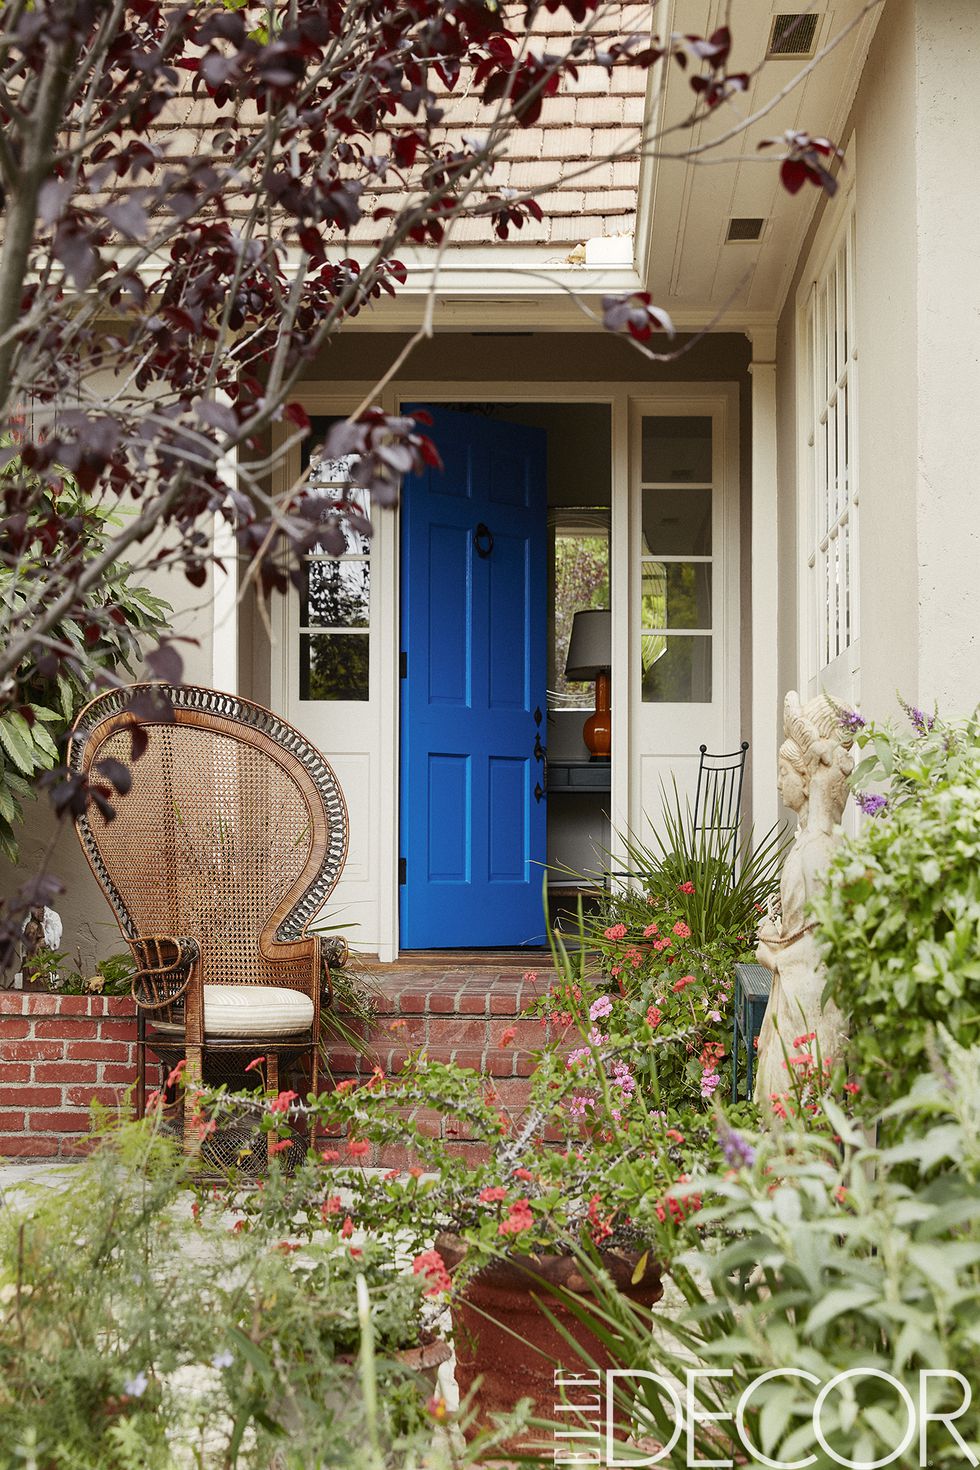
x,y
814,764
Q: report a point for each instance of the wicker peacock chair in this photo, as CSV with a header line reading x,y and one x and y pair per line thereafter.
x,y
227,845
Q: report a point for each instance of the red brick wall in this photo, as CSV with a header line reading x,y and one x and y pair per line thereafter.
x,y
57,1053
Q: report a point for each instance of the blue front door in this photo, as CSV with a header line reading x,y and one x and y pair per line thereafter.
x,y
473,839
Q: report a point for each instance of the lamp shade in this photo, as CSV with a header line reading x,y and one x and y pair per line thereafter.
x,y
590,646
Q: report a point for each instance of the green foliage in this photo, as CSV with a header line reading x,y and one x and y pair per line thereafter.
x,y
118,617
667,943
111,976
900,915
813,1254
138,1330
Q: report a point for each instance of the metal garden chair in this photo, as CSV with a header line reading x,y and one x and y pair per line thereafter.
x,y
231,838
718,798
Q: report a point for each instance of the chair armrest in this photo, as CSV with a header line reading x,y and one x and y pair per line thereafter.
x,y
164,968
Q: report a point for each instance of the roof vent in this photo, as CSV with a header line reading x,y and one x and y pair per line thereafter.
x,y
744,229
793,35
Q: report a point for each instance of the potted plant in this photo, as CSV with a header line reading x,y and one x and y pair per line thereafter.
x,y
590,1167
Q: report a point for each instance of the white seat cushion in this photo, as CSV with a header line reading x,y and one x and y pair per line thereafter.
x,y
253,1011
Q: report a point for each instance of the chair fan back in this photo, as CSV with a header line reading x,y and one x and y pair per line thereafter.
x,y
233,834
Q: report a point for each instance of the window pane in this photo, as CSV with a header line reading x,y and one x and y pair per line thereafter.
x,y
677,450
676,670
676,595
581,581
677,522
333,666
343,514
336,594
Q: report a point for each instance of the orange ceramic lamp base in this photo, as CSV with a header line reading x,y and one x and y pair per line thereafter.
x,y
597,732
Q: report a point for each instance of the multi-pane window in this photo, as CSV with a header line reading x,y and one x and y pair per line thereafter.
x,y
829,436
335,594
676,559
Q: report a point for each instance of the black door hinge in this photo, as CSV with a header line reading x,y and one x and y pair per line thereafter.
x,y
401,870
403,665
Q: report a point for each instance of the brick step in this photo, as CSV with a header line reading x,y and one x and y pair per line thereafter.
x,y
467,1014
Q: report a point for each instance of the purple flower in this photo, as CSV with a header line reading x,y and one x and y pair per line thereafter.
x,y
600,1008
923,723
871,804
739,1153
709,1081
849,719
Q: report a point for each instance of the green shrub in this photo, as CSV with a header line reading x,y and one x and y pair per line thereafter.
x,y
139,1332
119,617
812,1253
900,914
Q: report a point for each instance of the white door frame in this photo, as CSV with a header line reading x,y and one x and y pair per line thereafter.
x,y
382,721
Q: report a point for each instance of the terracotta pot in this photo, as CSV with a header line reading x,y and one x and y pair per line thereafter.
x,y
504,1339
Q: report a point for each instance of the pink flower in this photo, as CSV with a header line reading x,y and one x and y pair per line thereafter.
x,y
579,1105
255,1062
507,1035
709,1082
683,983
681,930
714,1015
600,1008
357,1150
654,1017
650,930
530,977
687,887
524,1174
330,1156
492,1195
431,1265
616,931
347,1229
520,1218
281,1103
660,944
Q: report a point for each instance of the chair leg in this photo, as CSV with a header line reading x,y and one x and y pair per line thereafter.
x,y
272,1071
314,1087
193,1074
139,1097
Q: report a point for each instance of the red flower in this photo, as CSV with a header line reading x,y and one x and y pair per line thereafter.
x,y
330,1206
683,983
650,930
524,1174
330,1156
255,1062
615,931
173,1076
519,1218
687,887
507,1036
431,1265
654,1017
281,1103
356,1253
357,1149
347,1229
492,1195
673,1134
852,1087
277,1148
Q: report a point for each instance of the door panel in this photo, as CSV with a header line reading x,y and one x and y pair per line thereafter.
x,y
474,635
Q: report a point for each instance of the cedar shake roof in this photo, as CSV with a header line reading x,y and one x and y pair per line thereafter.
x,y
595,116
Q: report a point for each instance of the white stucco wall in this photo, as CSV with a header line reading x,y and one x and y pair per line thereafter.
x,y
947,479
914,125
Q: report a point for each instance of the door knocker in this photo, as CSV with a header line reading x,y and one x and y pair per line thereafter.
x,y
483,540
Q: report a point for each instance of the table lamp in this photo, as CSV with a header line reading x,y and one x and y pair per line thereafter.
x,y
589,657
